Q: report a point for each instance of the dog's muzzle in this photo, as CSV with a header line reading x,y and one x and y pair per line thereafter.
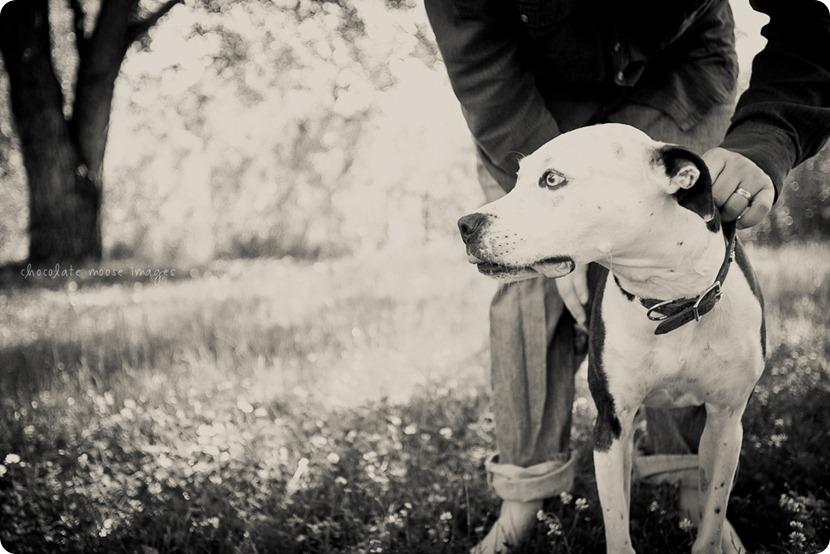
x,y
472,227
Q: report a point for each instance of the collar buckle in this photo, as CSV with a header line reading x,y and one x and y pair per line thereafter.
x,y
717,290
656,309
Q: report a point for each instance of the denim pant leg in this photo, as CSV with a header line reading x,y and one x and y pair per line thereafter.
x,y
533,363
533,383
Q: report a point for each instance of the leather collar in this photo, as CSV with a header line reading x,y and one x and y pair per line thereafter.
x,y
672,314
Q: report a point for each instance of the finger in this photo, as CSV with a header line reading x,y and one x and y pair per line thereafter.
x,y
716,162
571,300
758,210
734,207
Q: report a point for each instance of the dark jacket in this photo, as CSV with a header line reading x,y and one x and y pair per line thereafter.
x,y
506,58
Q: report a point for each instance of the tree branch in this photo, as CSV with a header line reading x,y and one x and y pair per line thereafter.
x,y
79,20
139,28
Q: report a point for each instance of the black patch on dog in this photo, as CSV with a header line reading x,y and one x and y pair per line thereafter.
x,y
698,198
607,427
743,262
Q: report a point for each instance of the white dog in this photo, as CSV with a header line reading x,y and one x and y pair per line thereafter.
x,y
670,324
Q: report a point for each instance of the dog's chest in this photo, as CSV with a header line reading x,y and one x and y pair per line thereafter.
x,y
715,360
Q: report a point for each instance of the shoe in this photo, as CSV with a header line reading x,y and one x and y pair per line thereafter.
x,y
682,470
516,519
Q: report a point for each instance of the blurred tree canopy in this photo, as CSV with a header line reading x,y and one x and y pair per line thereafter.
x,y
287,127
296,128
257,107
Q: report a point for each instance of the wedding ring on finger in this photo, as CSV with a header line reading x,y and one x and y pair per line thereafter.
x,y
747,196
743,192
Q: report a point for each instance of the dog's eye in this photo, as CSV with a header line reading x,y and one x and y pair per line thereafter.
x,y
551,179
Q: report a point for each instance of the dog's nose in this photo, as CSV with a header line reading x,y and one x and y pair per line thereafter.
x,y
470,225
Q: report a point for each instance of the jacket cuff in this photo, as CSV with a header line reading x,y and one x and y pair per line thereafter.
x,y
769,147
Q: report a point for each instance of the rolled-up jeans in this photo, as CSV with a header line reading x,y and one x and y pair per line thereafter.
x,y
536,350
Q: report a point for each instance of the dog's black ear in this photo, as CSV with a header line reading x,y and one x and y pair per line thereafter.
x,y
689,180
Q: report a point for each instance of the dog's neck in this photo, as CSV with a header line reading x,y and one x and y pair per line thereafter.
x,y
682,264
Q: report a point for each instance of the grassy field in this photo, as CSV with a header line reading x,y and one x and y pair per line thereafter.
x,y
287,406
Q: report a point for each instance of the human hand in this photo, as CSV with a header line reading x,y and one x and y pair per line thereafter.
x,y
741,189
573,288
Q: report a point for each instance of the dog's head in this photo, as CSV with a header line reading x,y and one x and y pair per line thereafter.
x,y
586,196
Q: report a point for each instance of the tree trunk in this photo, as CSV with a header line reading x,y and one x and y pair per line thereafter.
x,y
100,58
64,207
64,158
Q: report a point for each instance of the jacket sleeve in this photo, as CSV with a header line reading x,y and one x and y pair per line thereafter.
x,y
503,108
783,118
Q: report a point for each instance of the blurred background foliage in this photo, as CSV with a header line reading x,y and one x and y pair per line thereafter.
x,y
294,127
245,129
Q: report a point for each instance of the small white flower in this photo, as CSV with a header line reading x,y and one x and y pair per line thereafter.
x,y
445,432
3,470
333,458
11,459
581,504
797,537
565,497
790,504
446,516
686,524
554,529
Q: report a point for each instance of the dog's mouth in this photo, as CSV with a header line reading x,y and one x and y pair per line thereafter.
x,y
557,266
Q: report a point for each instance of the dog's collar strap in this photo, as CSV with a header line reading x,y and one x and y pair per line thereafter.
x,y
672,314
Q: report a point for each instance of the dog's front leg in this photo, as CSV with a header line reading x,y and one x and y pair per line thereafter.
x,y
612,464
720,449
